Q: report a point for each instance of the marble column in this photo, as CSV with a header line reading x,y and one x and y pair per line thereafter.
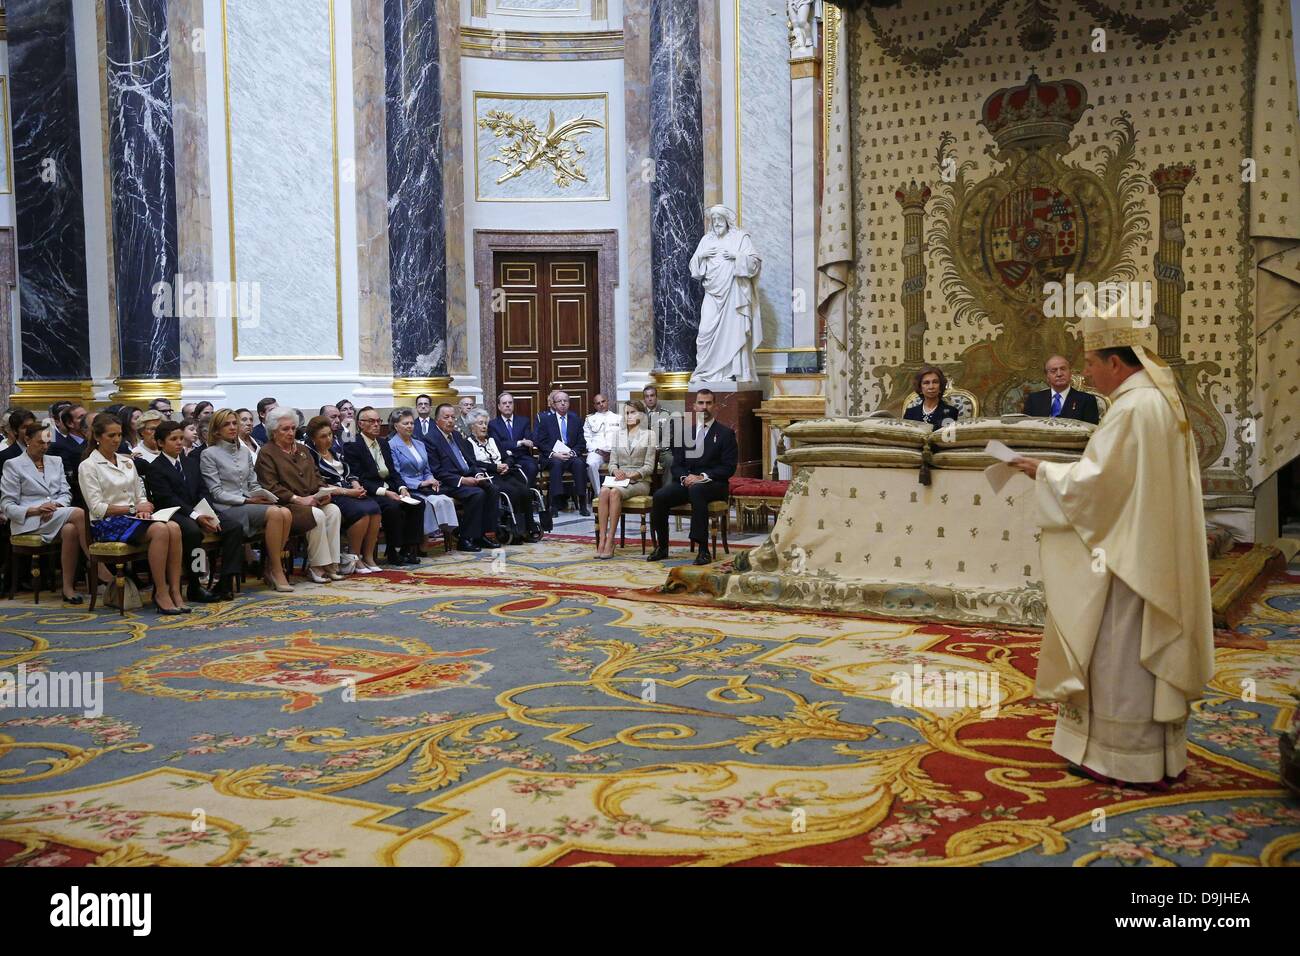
x,y
417,248
54,321
636,100
142,163
677,191
198,333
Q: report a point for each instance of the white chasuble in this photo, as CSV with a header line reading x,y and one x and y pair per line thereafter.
x,y
730,326
1129,636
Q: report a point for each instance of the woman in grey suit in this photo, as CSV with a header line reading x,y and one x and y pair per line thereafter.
x,y
632,459
37,499
227,468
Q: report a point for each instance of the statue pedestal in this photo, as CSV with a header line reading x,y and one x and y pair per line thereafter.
x,y
734,407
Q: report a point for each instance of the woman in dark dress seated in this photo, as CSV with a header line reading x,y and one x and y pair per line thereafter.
x,y
931,384
360,513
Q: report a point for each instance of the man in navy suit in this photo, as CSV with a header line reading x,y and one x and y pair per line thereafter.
x,y
424,425
562,425
173,480
451,459
1060,400
259,430
698,475
371,461
71,438
514,436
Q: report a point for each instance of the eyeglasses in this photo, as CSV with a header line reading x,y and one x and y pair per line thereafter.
x,y
369,421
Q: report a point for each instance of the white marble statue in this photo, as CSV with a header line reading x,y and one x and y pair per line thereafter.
x,y
800,13
730,328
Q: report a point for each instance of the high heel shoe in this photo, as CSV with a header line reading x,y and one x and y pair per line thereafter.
x,y
169,611
281,588
316,578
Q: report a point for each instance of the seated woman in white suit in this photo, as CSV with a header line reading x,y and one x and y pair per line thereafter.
x,y
37,499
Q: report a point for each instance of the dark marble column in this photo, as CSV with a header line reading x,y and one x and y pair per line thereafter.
x,y
142,165
55,326
417,249
677,192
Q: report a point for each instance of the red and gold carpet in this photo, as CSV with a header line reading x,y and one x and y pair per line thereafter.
x,y
522,710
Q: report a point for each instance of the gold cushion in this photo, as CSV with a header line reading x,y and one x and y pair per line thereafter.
x,y
28,541
879,456
1022,433
114,549
211,538
859,431
638,501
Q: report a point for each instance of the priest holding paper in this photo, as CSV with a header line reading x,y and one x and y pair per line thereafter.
x,y
1128,640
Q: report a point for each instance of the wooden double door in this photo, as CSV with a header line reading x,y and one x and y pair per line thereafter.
x,y
547,329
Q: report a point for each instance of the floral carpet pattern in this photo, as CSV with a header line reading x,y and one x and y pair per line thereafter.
x,y
517,709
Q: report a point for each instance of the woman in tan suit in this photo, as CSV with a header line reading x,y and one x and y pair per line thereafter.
x,y
287,470
632,459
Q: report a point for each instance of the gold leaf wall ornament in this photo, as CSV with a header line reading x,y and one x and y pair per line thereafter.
x,y
529,148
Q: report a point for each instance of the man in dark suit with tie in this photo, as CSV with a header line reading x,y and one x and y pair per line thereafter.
x,y
173,480
259,430
514,436
336,426
699,474
371,461
562,425
1059,400
451,459
71,438
424,424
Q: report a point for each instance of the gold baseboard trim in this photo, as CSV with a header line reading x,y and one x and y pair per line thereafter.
x,y
142,391
39,395
671,385
438,388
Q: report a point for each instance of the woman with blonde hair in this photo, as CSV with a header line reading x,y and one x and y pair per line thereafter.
x,y
632,459
235,494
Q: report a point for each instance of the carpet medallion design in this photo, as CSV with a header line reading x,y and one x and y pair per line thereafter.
x,y
525,710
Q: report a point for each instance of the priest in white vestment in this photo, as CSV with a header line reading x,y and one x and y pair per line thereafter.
x,y
730,326
1128,641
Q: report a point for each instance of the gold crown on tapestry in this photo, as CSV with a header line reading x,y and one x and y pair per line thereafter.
x,y
1176,174
913,195
1114,327
1034,113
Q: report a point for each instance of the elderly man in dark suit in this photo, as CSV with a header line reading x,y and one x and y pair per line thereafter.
x,y
514,436
700,474
1059,400
371,462
451,459
562,425
174,480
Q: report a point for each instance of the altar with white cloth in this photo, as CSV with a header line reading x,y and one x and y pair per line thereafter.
x,y
860,531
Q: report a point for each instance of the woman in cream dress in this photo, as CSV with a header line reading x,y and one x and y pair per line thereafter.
x,y
632,459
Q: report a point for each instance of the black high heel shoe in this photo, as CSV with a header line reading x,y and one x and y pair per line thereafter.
x,y
170,611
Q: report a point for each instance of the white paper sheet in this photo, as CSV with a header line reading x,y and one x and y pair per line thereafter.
x,y
998,475
612,482
163,514
560,448
1000,451
203,510
408,500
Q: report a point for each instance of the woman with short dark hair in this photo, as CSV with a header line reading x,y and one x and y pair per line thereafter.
x,y
360,514
931,384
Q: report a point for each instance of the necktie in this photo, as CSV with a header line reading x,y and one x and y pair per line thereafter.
x,y
1056,404
460,459
179,470
564,428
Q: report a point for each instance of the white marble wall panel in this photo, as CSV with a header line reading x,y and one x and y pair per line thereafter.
x,y
533,6
566,79
764,177
585,151
6,172
280,113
